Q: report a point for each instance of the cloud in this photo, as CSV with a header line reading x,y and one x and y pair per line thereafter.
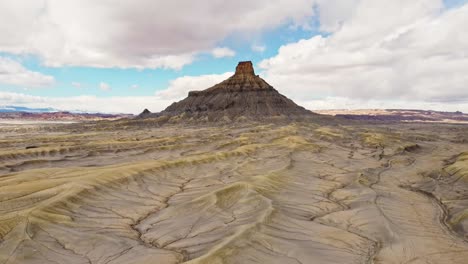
x,y
258,48
134,86
136,34
104,87
76,85
223,52
400,51
13,73
179,88
87,103
333,13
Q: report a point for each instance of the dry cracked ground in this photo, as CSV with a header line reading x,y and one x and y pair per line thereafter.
x,y
252,193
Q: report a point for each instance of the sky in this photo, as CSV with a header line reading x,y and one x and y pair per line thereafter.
x,y
124,56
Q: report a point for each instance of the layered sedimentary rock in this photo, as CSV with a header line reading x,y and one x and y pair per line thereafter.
x,y
242,95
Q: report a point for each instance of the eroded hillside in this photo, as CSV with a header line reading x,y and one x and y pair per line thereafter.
x,y
252,193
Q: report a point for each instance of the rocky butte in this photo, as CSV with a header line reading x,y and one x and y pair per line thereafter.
x,y
243,95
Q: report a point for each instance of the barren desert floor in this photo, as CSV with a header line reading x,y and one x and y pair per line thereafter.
x,y
248,193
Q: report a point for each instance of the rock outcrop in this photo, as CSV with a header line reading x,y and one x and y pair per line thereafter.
x,y
145,113
242,95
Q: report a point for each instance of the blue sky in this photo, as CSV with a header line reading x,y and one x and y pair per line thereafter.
x,y
307,49
151,80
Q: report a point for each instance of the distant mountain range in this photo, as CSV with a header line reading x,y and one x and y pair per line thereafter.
x,y
399,115
51,114
372,115
14,109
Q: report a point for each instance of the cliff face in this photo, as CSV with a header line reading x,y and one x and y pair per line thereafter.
x,y
243,94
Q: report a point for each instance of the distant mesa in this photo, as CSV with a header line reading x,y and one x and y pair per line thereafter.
x,y
242,95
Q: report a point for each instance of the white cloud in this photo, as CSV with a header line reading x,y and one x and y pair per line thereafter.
x,y
87,103
76,85
135,34
104,87
258,48
13,73
134,86
223,52
179,88
388,51
333,13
